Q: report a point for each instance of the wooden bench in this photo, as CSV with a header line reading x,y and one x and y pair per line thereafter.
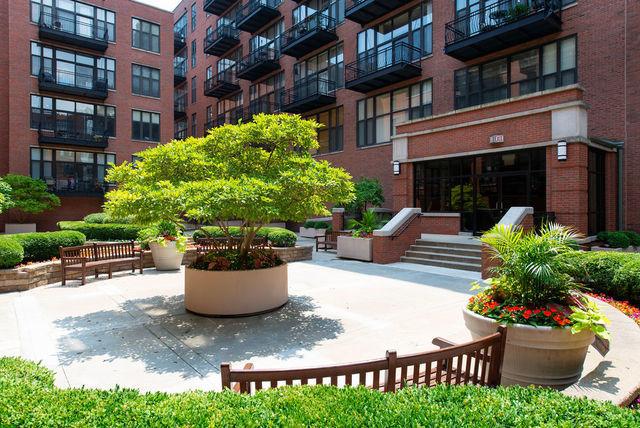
x,y
478,362
95,257
207,245
329,241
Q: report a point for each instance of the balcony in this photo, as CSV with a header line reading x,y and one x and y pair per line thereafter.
x,y
72,83
221,40
383,67
309,94
231,117
501,25
73,131
365,11
308,35
260,106
179,40
210,124
256,14
216,7
52,26
259,63
179,71
179,105
222,84
180,134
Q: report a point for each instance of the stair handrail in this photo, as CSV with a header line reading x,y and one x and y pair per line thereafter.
x,y
399,223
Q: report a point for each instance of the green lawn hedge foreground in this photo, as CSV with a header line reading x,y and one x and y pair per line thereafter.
x,y
29,399
278,236
103,232
36,246
11,252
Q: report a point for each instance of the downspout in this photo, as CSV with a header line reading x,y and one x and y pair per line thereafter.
x,y
620,192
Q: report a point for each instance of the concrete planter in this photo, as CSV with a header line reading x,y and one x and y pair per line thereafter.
x,y
355,248
166,257
629,249
235,293
310,232
542,356
11,228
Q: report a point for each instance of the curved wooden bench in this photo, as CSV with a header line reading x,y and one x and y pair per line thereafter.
x,y
88,258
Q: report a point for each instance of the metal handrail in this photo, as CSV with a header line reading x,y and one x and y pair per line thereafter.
x,y
180,134
253,5
267,52
70,129
56,22
309,87
316,21
180,66
47,75
225,76
180,102
495,16
227,30
379,59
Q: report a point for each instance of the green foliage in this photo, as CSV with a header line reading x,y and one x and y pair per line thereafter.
x,y
282,238
615,239
368,192
634,237
321,225
217,232
11,252
278,236
309,224
162,233
103,232
589,318
5,196
104,218
255,172
29,399
29,195
529,273
369,222
230,260
41,246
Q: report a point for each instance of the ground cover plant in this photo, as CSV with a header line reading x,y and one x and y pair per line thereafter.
x,y
29,399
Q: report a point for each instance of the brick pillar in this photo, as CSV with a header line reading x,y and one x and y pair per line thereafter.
x,y
337,220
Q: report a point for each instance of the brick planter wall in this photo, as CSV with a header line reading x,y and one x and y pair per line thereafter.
x,y
38,274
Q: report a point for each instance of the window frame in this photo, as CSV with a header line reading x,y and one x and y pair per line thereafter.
x,y
142,79
335,140
142,123
149,35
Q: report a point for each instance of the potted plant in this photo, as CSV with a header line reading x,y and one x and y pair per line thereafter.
x,y
252,172
28,196
311,229
167,244
359,245
550,324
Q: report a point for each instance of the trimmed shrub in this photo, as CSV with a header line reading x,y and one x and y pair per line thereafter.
x,y
309,224
104,218
30,399
11,252
103,232
278,236
627,278
282,238
321,225
615,239
215,232
41,246
634,237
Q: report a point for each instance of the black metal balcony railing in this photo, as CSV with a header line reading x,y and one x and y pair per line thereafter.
x,y
72,131
308,35
53,26
501,25
231,117
217,7
382,67
366,11
180,134
309,94
209,124
72,83
180,105
260,62
179,39
222,84
255,14
221,40
179,70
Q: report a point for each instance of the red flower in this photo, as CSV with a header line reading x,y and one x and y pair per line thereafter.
x,y
547,313
527,314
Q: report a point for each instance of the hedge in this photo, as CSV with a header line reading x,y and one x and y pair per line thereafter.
x,y
103,218
29,398
615,239
278,236
103,232
11,252
616,274
41,246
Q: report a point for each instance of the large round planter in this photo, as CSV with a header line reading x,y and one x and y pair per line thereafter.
x,y
166,257
542,356
235,293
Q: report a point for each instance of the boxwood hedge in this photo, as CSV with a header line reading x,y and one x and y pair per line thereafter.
x,y
103,232
11,252
28,398
41,246
278,236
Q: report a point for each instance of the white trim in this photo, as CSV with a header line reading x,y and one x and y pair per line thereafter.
x,y
397,222
515,216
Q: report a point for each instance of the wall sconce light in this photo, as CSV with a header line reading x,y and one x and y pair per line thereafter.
x,y
562,150
396,168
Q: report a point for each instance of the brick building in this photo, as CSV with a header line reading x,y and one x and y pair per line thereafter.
x,y
83,84
467,106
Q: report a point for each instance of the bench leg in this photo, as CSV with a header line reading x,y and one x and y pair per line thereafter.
x,y
64,278
110,272
83,280
96,272
133,267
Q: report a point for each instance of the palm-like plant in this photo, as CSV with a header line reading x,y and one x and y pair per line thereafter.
x,y
369,222
528,271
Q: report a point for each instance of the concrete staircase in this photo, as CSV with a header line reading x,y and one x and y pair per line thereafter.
x,y
446,251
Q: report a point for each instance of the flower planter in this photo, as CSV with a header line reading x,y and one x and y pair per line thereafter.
x,y
235,293
166,257
542,356
310,232
11,228
355,248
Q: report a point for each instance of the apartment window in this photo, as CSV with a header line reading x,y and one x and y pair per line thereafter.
x,y
67,171
71,119
268,38
180,27
145,35
71,68
230,109
332,8
194,125
145,126
209,72
209,119
194,15
193,89
229,60
193,54
327,65
75,18
265,95
330,136
378,116
413,27
546,67
180,130
145,80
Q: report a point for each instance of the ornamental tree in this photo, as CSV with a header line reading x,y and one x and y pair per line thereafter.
x,y
5,196
256,172
29,196
368,192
